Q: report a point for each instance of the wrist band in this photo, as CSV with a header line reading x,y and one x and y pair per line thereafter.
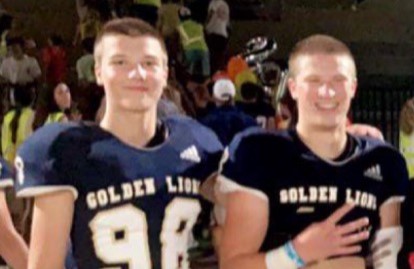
x,y
293,255
279,259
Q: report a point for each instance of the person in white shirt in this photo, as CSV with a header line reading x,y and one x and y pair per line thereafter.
x,y
19,70
217,30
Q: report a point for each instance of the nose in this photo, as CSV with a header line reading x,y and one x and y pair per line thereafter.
x,y
138,71
326,91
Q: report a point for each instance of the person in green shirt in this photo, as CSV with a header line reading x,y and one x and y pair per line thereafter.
x,y
193,44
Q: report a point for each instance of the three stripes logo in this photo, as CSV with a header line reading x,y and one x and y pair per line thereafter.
x,y
190,154
374,172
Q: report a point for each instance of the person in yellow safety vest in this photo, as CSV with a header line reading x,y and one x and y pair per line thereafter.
x,y
407,150
407,135
193,44
146,10
55,106
17,125
60,105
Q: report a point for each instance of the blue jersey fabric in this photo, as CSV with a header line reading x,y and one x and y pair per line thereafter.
x,y
302,188
6,175
226,121
135,207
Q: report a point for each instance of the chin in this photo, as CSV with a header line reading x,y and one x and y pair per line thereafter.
x,y
332,126
137,105
329,124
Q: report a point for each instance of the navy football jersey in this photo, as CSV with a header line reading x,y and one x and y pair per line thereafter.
x,y
226,121
6,176
134,208
302,188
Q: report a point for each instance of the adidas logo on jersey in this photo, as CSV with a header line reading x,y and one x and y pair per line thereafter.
x,y
191,154
374,172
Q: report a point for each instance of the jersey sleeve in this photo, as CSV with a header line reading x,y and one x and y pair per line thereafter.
x,y
242,166
396,178
6,176
212,150
40,163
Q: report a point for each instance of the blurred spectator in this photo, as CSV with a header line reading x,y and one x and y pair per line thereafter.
x,y
19,72
217,29
17,126
226,120
146,10
193,44
88,93
170,103
54,61
54,106
19,68
89,100
30,48
235,65
168,17
85,64
89,26
60,103
200,91
407,135
198,9
242,77
253,104
167,25
81,9
184,94
407,149
6,22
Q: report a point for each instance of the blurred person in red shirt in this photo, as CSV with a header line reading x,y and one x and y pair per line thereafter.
x,y
54,61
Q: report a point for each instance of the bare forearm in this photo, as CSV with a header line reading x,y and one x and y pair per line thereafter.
x,y
13,249
50,230
249,261
44,258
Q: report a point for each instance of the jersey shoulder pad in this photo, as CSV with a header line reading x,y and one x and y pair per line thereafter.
x,y
377,146
51,139
393,168
252,155
200,133
256,139
45,158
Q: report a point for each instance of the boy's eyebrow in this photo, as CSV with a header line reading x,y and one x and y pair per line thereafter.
x,y
152,57
117,56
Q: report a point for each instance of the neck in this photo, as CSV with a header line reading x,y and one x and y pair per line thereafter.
x,y
325,143
132,128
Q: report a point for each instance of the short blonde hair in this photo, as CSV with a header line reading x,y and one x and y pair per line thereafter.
x,y
316,44
129,27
